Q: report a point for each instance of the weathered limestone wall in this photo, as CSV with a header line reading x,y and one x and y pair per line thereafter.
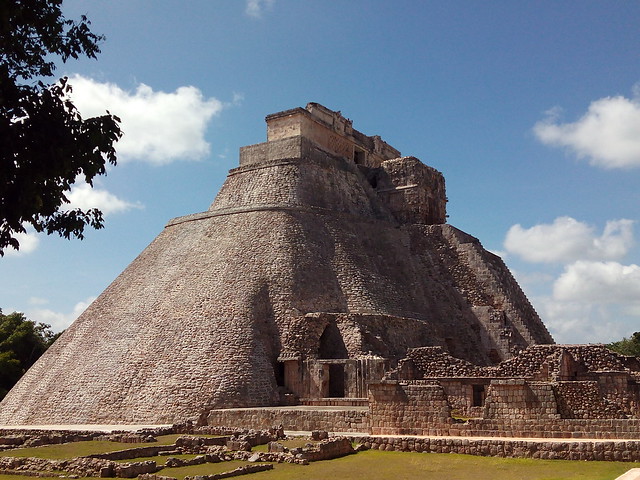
x,y
515,399
584,400
513,409
297,418
331,132
619,451
408,408
414,192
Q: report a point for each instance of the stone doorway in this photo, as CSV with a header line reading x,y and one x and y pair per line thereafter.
x,y
336,380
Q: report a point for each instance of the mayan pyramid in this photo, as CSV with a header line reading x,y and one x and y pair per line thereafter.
x,y
324,257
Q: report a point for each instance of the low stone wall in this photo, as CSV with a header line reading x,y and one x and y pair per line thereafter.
x,y
620,451
132,453
37,438
547,428
347,420
82,466
328,449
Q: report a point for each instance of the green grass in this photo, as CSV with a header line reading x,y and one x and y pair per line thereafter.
x,y
81,449
68,450
377,465
368,465
162,440
203,469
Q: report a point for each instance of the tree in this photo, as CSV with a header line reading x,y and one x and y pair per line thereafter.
x,y
22,342
45,143
627,346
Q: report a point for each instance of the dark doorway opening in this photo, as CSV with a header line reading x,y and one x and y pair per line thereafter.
x,y
331,343
336,380
478,395
279,372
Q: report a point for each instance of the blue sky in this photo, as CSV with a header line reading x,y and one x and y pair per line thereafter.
x,y
530,109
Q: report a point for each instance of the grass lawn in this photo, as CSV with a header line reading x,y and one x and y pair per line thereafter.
x,y
68,450
80,449
377,465
204,469
368,465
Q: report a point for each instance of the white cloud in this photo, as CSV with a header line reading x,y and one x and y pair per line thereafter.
x,y
594,298
158,127
584,322
567,240
256,7
598,282
84,196
608,134
58,320
28,243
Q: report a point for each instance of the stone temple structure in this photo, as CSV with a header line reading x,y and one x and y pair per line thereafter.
x,y
324,265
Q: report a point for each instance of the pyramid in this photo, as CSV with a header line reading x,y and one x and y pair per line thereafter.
x,y
324,257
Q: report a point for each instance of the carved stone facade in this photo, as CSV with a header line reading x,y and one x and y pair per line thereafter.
x,y
324,259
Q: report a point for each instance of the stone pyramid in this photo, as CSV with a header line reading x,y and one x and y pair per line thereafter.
x,y
324,257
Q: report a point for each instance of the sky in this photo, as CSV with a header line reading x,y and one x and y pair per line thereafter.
x,y
531,110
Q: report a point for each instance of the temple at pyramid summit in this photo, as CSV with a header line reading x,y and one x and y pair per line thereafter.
x,y
323,273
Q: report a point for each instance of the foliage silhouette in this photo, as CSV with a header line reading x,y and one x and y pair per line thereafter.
x,y
46,144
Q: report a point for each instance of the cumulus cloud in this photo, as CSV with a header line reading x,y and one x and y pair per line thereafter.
x,y
84,196
58,320
593,297
28,243
256,7
567,239
608,134
158,127
584,322
598,282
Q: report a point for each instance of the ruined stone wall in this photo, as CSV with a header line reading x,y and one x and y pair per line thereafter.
x,y
620,389
429,362
619,451
335,420
414,192
412,408
517,399
511,410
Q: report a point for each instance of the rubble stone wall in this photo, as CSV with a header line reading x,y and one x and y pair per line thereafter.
x,y
584,400
336,420
512,409
407,408
620,451
516,398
